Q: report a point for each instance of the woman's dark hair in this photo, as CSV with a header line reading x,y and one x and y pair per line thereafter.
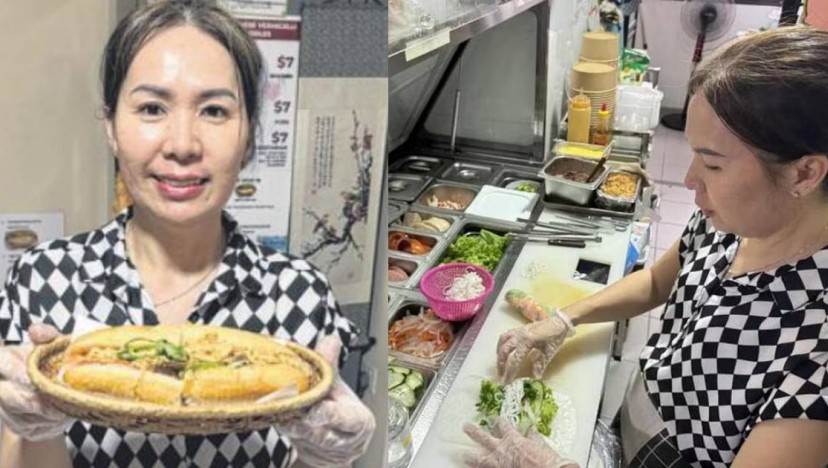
x,y
771,90
141,25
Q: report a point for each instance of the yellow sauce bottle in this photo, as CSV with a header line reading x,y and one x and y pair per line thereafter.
x,y
577,130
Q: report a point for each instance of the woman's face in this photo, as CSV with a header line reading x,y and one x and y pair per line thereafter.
x,y
732,187
180,130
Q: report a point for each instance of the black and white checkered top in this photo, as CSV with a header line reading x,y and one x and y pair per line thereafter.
x,y
90,276
734,352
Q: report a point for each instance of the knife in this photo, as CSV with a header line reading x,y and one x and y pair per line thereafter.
x,y
576,244
545,237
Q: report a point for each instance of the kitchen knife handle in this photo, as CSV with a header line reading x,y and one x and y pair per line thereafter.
x,y
577,244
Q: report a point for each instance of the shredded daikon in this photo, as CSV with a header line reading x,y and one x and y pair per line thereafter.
x,y
465,287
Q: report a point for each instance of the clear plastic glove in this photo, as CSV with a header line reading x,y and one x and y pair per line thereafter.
x,y
337,430
21,408
544,337
506,448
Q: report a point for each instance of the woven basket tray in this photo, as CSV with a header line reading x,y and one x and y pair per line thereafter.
x,y
213,418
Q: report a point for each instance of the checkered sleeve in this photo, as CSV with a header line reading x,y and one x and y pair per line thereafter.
x,y
695,228
11,331
802,392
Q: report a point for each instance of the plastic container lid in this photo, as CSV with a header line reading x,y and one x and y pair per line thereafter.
x,y
503,204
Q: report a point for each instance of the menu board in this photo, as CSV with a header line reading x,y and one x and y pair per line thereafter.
x,y
257,8
261,200
22,231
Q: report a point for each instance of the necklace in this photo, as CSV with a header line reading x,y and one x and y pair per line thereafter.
x,y
186,291
190,288
733,273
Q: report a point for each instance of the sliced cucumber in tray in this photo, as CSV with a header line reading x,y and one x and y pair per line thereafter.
x,y
405,394
406,384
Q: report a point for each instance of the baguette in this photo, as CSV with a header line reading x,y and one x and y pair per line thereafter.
x,y
244,383
113,379
181,365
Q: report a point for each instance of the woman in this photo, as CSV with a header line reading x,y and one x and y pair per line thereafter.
x,y
736,375
181,96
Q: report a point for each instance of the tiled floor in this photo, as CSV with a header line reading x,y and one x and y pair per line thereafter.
x,y
667,167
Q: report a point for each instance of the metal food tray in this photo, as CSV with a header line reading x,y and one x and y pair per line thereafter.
x,y
462,193
561,205
413,275
393,298
397,220
404,308
469,173
508,175
419,235
578,193
610,202
421,165
406,187
429,373
396,209
598,150
472,225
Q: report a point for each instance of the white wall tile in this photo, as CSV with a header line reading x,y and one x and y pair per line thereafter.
x,y
673,172
655,167
668,234
676,193
676,212
651,256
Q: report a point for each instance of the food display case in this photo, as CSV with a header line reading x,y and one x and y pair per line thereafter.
x,y
471,113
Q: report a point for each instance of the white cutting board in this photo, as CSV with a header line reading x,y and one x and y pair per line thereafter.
x,y
578,371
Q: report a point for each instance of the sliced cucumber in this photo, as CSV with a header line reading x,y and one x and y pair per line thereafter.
x,y
399,370
395,379
405,394
414,380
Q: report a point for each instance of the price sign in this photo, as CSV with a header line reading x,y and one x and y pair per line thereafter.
x,y
285,62
264,211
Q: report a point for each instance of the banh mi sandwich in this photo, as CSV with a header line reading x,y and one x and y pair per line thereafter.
x,y
182,365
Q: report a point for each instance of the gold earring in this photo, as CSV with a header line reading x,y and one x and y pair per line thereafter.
x,y
796,194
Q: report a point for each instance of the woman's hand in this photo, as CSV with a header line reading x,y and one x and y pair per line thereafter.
x,y
545,337
509,449
21,408
337,430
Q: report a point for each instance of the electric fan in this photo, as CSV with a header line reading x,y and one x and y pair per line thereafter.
x,y
706,21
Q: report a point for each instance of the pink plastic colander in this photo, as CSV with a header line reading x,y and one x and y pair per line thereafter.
x,y
436,281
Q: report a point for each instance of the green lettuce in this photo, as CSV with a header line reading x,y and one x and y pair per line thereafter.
x,y
484,250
